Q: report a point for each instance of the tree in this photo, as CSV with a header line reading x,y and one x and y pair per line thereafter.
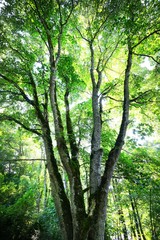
x,y
43,46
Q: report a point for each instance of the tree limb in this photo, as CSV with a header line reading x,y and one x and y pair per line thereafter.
x,y
107,90
144,38
24,159
4,117
111,54
115,151
31,102
117,100
146,55
87,40
11,92
101,25
16,51
140,96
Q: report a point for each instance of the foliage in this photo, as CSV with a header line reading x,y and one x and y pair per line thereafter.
x,y
48,223
75,75
22,212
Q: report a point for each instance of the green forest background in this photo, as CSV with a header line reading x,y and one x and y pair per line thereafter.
x,y
79,44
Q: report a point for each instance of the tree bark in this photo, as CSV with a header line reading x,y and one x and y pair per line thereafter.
x,y
96,150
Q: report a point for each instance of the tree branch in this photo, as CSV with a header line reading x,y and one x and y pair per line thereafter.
x,y
69,15
116,150
41,35
25,159
120,139
82,35
146,55
140,96
108,89
27,99
42,20
111,54
4,117
47,31
143,39
62,24
101,26
115,99
16,51
7,91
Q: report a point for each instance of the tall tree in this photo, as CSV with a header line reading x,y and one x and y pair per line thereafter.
x,y
43,44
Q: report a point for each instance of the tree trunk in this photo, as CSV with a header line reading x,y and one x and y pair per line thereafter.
x,y
122,220
135,217
154,234
61,201
120,210
133,232
69,160
45,186
139,220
